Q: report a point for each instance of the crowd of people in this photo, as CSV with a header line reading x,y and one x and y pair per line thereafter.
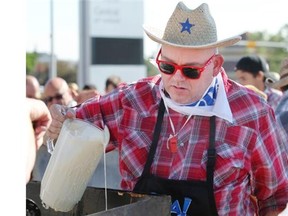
x,y
58,91
217,146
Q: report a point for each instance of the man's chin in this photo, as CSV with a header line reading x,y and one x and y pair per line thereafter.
x,y
180,99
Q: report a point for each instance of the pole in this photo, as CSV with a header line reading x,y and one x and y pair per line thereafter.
x,y
52,70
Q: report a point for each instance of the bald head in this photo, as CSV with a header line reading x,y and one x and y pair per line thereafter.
x,y
56,91
32,87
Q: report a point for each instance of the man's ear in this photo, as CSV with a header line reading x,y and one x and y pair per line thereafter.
x,y
260,76
218,62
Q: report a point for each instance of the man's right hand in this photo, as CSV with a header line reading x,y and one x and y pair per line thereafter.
x,y
59,114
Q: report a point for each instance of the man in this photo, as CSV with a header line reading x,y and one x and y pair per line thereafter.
x,y
254,70
281,111
57,91
38,121
190,132
88,91
111,83
282,84
32,87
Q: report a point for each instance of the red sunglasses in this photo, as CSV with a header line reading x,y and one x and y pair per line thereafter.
x,y
50,99
190,72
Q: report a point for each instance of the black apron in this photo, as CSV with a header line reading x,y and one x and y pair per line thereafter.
x,y
188,197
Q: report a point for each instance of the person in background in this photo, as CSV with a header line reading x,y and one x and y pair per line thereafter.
x,y
190,132
282,85
74,88
254,70
275,76
89,87
88,91
38,121
56,91
281,110
111,83
32,87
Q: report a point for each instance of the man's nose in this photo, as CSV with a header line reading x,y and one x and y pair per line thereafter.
x,y
178,75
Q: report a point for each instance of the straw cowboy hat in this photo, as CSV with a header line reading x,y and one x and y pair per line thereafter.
x,y
283,81
188,28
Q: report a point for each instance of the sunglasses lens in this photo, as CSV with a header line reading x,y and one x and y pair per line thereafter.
x,y
58,97
191,73
166,68
50,99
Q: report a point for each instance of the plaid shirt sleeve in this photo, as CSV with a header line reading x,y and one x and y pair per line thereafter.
x,y
103,110
112,109
269,167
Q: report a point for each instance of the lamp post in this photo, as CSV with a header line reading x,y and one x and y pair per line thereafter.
x,y
52,69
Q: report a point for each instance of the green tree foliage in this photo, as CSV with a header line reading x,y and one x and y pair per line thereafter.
x,y
31,60
151,69
274,55
67,70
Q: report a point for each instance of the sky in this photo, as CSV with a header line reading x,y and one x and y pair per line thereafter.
x,y
231,17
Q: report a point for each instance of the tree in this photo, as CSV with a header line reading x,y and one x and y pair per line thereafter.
x,y
151,69
274,55
31,60
67,70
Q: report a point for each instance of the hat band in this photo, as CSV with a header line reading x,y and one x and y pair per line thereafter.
x,y
283,76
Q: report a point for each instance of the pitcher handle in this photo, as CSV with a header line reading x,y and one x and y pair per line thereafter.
x,y
50,145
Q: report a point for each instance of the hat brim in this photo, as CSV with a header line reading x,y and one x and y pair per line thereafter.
x,y
157,36
280,83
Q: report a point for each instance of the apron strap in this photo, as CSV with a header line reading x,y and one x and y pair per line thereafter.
x,y
211,153
156,135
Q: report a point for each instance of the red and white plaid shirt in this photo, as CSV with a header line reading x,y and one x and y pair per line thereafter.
x,y
250,155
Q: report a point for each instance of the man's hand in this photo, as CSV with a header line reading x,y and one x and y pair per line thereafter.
x,y
40,118
59,114
38,121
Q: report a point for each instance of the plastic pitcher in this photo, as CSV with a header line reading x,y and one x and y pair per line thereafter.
x,y
77,152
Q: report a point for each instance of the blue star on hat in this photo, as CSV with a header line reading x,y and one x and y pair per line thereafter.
x,y
186,26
